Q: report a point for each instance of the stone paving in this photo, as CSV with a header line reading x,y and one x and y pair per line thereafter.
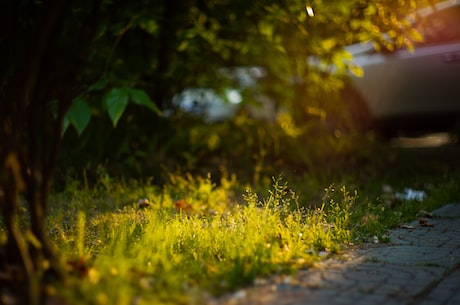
x,y
420,265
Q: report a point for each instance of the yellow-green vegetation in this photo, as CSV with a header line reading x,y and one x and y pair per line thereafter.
x,y
189,239
193,238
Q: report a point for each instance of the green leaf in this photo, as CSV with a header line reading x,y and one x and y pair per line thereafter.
x,y
99,85
149,25
328,44
415,35
266,29
182,46
101,30
78,115
356,70
371,10
116,101
65,125
140,97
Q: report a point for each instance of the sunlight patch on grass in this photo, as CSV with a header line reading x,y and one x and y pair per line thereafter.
x,y
168,255
192,239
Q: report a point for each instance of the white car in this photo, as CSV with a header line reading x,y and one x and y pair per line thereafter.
x,y
419,89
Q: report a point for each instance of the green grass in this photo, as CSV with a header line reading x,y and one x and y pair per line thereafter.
x,y
198,239
121,253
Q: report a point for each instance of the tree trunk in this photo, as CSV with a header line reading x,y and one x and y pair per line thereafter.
x,y
28,152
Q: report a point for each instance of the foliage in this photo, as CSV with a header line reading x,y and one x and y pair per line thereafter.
x,y
252,149
115,102
278,37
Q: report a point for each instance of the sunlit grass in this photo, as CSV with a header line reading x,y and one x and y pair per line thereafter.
x,y
196,239
175,253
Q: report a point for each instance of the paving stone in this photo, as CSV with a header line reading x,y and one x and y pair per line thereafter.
x,y
449,210
445,292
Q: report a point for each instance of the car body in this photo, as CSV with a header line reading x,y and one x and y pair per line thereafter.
x,y
419,89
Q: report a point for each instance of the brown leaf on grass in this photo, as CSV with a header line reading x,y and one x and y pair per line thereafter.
x,y
423,222
79,267
143,203
183,205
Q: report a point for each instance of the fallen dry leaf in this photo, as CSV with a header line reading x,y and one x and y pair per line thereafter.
x,y
143,203
183,205
423,222
409,227
78,266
